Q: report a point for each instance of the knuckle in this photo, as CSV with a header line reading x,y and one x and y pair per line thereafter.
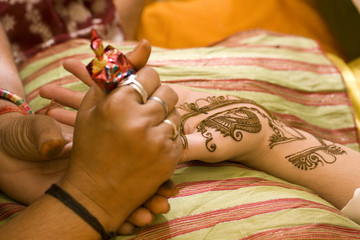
x,y
150,74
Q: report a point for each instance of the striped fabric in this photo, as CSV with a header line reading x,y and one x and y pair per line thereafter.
x,y
290,76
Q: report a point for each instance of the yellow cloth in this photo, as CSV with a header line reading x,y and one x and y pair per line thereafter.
x,y
194,23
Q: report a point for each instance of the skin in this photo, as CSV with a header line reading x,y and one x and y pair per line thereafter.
x,y
334,173
129,14
109,188
35,149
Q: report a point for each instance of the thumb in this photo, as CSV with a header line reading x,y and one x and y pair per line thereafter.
x,y
197,147
91,99
33,138
194,147
140,54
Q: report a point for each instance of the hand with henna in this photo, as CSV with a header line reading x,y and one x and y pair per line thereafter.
x,y
216,128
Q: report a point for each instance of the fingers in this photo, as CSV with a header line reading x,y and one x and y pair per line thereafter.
x,y
92,97
167,189
79,70
169,127
145,215
162,102
141,53
49,137
64,96
147,79
141,217
33,137
138,58
127,228
63,116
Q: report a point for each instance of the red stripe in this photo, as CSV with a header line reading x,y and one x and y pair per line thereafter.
x,y
237,40
8,209
54,65
55,49
198,187
313,231
196,222
313,50
269,63
339,135
60,81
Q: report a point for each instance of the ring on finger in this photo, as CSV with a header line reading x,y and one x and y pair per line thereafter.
x,y
131,80
163,104
176,132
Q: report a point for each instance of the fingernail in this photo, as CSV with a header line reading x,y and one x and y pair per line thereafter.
x,y
51,148
169,184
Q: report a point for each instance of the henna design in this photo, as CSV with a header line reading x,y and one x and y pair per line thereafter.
x,y
310,158
230,123
233,121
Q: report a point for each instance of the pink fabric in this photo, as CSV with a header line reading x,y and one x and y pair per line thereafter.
x,y
33,25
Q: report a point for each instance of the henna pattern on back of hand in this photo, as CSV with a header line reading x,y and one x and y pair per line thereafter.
x,y
231,122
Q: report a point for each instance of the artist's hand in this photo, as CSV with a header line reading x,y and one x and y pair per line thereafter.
x,y
123,146
70,98
34,153
158,203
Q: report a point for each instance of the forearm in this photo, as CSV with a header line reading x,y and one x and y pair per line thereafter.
x,y
129,12
217,128
331,170
9,77
47,218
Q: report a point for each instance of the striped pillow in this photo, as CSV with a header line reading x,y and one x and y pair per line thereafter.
x,y
290,76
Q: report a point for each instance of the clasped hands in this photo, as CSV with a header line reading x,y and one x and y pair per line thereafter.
x,y
122,155
99,109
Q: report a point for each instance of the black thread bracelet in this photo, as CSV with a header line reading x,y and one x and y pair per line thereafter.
x,y
80,210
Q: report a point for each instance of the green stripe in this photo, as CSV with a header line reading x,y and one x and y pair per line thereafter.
x,y
35,66
249,226
289,41
223,52
298,80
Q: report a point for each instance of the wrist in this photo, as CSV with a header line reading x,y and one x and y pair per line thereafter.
x,y
8,117
90,195
76,207
10,98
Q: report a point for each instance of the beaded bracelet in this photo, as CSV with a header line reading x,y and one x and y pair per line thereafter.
x,y
15,99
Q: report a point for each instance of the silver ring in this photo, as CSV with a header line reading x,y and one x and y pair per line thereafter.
x,y
131,80
176,133
159,100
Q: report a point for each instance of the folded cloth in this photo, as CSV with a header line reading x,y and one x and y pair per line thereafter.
x,y
352,208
